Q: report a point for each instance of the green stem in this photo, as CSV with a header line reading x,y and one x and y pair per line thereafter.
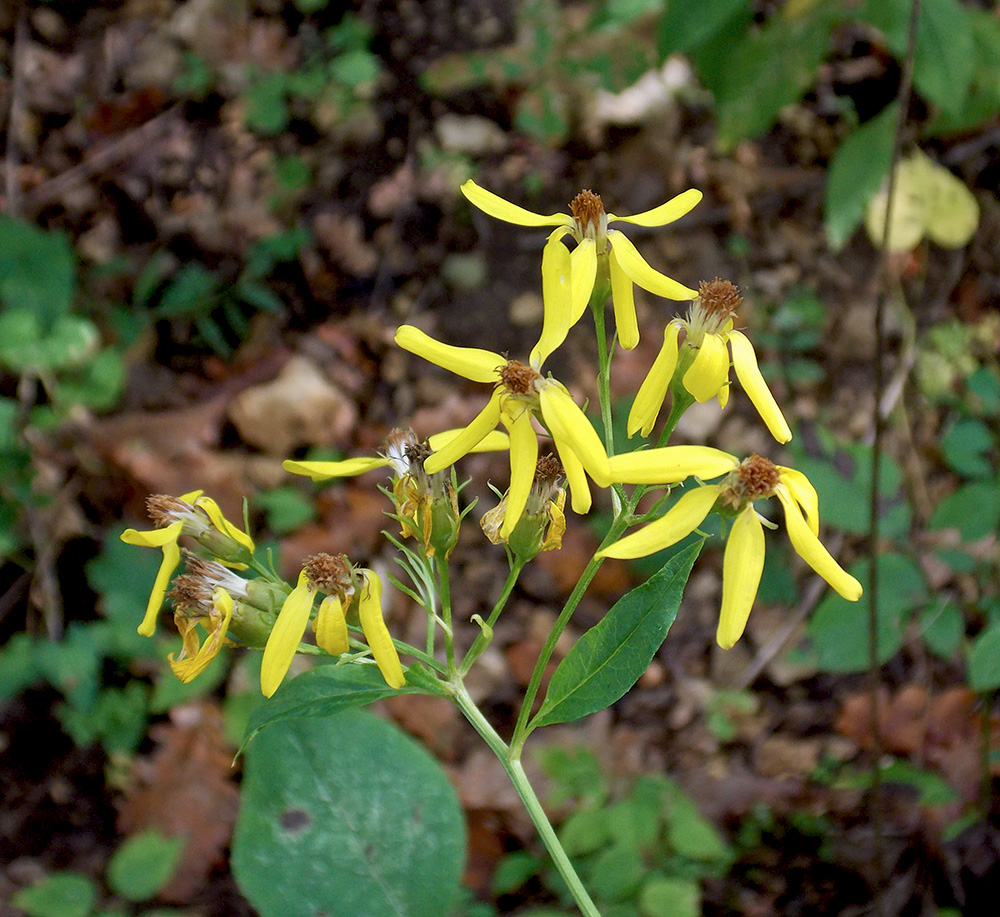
x,y
598,300
444,594
511,761
486,631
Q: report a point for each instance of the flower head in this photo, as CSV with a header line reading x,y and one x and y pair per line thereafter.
x,y
753,479
190,514
700,366
587,223
520,394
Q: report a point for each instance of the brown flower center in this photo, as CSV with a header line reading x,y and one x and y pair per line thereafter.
x,y
329,572
587,209
164,510
719,298
518,378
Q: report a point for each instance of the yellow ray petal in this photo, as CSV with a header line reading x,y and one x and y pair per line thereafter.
x,y
812,551
576,478
523,458
653,391
171,558
324,471
377,634
285,636
742,567
672,210
708,373
583,273
466,440
633,264
804,493
623,298
188,669
747,371
330,626
502,209
670,464
683,518
469,362
556,299
568,424
211,509
495,441
154,538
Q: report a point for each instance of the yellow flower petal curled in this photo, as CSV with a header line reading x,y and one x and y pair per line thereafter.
x,y
670,464
467,439
672,210
523,459
583,273
166,539
469,362
285,636
324,471
747,371
330,626
812,551
633,264
570,426
683,518
710,369
377,634
579,490
556,300
501,209
742,567
653,391
804,493
623,299
193,660
211,509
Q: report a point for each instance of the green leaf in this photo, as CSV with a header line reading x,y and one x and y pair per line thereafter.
x,y
143,865
662,896
346,815
933,790
839,629
945,55
543,114
513,871
37,270
857,171
287,509
585,831
191,293
266,108
355,68
973,509
752,89
942,626
615,873
984,660
322,692
98,384
63,894
690,833
608,659
687,24
965,447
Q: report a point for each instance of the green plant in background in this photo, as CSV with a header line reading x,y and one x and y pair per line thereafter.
x,y
643,848
561,58
137,872
333,86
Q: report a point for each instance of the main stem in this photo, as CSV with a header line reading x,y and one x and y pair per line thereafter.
x,y
511,761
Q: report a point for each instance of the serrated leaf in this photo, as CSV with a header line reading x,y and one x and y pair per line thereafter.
x,y
346,815
322,692
857,171
608,659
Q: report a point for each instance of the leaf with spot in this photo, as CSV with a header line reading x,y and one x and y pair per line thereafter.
x,y
346,815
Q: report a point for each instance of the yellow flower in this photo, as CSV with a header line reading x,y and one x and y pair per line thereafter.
x,y
588,224
702,363
543,522
376,633
520,394
755,478
190,514
194,656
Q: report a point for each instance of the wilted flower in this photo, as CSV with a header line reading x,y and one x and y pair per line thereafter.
x,y
755,478
588,223
543,522
701,363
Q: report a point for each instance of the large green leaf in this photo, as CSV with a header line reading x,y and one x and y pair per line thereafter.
x,y
323,691
608,659
37,270
857,171
346,815
946,54
687,24
973,509
984,660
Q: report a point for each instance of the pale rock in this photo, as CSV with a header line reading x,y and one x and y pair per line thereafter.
x,y
473,135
